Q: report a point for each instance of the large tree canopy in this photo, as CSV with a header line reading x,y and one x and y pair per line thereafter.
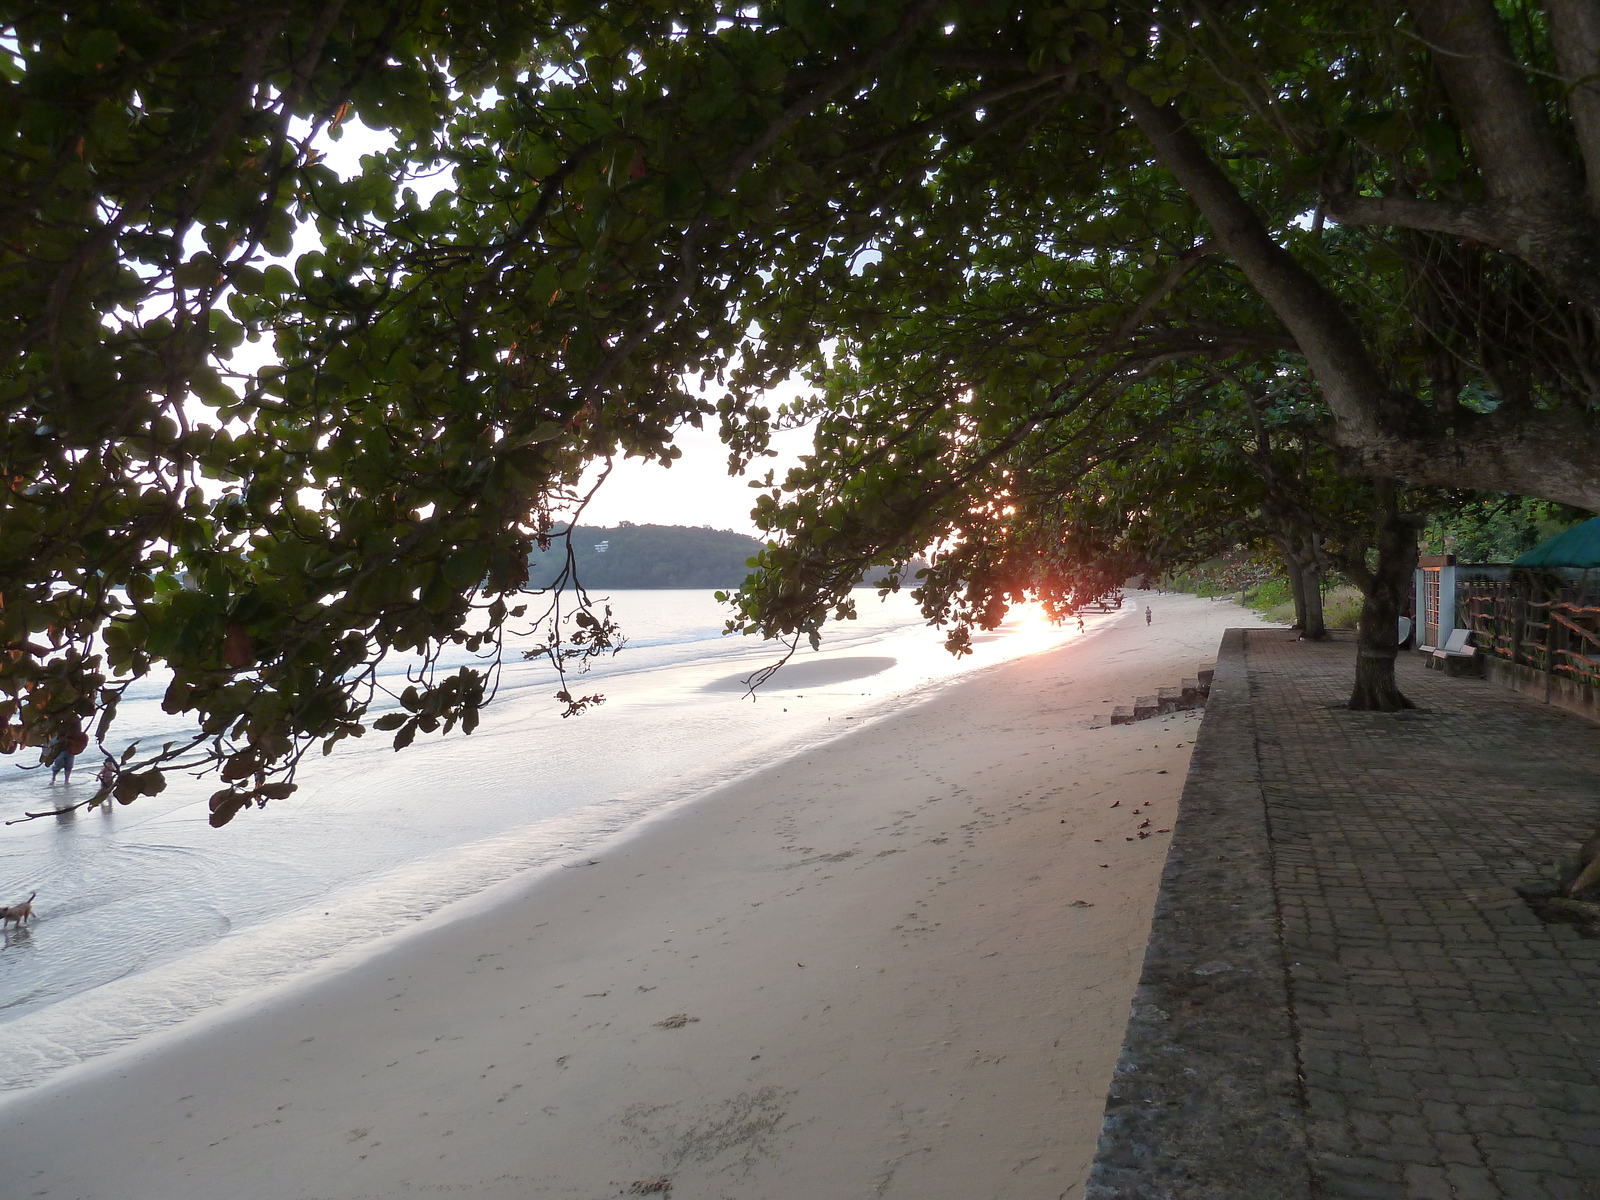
x,y
1087,192
439,371
1401,198
1460,166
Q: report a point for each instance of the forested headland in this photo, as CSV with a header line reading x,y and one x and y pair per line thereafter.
x,y
649,556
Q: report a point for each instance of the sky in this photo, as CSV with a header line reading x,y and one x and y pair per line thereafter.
x,y
695,490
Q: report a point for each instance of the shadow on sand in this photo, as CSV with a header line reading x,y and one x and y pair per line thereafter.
x,y
808,674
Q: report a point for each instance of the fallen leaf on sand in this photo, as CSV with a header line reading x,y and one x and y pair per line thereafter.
x,y
645,1187
676,1021
1118,804
1080,904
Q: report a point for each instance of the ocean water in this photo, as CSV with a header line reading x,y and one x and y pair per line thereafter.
x,y
146,916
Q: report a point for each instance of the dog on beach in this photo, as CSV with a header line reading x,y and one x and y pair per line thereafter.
x,y
20,914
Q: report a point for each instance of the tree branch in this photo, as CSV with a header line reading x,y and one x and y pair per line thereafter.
x,y
875,150
252,64
1535,194
1461,220
1332,345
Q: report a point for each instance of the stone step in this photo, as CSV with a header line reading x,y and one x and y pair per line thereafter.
x,y
1145,707
1191,693
1204,679
1122,715
1169,699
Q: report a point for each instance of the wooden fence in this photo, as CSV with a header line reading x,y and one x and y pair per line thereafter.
x,y
1552,630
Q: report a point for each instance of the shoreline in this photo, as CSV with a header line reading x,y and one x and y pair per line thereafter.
x,y
229,976
148,915
891,964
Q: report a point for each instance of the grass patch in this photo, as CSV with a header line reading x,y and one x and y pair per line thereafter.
x,y
1267,595
1272,593
1341,605
1341,608
1278,614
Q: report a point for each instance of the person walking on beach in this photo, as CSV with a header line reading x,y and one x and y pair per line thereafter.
x,y
1147,614
1080,622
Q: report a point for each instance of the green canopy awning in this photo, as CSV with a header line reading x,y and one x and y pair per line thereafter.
x,y
1577,547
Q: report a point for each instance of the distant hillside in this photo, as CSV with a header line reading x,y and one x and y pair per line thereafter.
x,y
651,556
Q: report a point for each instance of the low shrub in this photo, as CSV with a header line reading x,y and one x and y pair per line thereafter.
x,y
1270,593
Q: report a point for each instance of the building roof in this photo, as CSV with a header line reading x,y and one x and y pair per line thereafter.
x,y
1577,547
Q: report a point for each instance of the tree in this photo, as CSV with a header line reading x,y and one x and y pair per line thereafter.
x,y
1495,529
1032,403
440,370
1442,361
1185,463
1466,134
1274,119
630,192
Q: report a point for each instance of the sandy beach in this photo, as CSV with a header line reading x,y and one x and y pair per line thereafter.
x,y
897,966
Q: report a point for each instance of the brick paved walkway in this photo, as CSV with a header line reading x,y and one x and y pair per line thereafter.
x,y
1343,995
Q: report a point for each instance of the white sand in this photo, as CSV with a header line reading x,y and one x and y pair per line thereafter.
x,y
861,973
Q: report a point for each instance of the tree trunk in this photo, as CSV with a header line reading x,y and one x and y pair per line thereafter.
x,y
1384,592
1304,569
1315,629
1310,563
1297,587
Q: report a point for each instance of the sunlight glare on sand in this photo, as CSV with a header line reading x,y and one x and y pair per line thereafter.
x,y
1029,628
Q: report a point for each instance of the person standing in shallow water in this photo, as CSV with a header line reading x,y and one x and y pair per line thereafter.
x,y
63,760
1147,614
